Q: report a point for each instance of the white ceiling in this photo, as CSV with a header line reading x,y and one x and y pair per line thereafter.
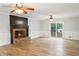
x,y
43,10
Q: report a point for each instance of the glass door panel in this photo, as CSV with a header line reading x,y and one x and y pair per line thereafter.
x,y
59,30
53,29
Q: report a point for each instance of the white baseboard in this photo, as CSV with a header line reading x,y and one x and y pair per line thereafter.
x,y
4,44
32,37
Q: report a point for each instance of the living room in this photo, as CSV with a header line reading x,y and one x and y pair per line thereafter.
x,y
41,26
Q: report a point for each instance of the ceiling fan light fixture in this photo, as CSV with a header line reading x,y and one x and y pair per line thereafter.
x,y
51,18
19,11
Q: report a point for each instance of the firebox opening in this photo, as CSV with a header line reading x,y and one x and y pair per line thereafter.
x,y
20,34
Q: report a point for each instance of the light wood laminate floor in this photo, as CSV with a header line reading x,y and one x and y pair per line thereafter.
x,y
42,47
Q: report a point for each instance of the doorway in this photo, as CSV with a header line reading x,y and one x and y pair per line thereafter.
x,y
57,30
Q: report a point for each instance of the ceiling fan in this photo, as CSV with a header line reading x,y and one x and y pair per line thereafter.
x,y
21,10
51,18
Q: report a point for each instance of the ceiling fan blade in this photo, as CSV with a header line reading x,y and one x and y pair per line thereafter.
x,y
28,8
25,12
13,10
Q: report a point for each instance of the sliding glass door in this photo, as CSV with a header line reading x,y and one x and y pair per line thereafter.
x,y
56,29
